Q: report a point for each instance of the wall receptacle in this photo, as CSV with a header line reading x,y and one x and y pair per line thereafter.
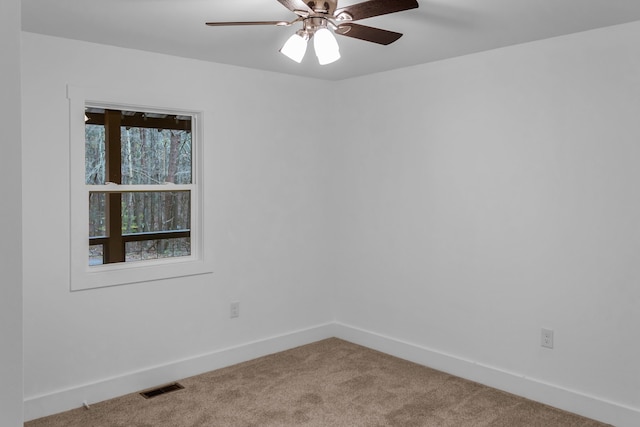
x,y
235,310
546,338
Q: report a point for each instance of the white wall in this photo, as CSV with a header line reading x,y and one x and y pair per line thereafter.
x,y
11,216
485,197
264,203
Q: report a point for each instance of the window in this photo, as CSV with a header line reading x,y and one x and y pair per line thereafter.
x,y
131,158
135,192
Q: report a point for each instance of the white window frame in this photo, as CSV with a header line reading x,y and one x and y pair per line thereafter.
x,y
82,275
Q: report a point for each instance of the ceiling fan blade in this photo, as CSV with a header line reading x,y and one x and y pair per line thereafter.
x,y
224,24
372,8
370,34
296,5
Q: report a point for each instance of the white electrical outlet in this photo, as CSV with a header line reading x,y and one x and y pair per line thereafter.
x,y
235,310
546,338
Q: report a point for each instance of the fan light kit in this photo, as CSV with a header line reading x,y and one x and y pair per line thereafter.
x,y
320,18
324,42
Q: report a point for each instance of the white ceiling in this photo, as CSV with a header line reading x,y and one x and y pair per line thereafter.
x,y
438,29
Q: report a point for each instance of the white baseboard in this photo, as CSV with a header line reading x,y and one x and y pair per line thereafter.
x,y
613,413
573,401
64,400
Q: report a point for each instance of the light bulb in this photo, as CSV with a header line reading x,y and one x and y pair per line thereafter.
x,y
295,47
326,46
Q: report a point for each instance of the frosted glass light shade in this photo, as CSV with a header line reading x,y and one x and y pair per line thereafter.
x,y
295,47
326,46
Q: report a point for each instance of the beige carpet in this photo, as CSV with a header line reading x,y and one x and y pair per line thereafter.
x,y
328,383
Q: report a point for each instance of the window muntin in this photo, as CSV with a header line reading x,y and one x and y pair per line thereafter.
x,y
130,149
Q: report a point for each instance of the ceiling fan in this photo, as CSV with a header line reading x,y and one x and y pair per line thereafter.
x,y
318,16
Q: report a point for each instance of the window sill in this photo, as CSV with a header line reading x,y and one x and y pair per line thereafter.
x,y
100,276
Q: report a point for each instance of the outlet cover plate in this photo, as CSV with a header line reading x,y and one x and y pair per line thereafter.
x,y
546,338
235,310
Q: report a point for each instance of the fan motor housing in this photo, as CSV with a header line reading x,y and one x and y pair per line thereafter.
x,y
311,25
323,6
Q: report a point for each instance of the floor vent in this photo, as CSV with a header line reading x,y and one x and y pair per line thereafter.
x,y
161,390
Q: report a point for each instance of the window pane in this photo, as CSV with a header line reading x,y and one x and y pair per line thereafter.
x,y
154,249
97,215
94,154
155,148
96,254
144,212
155,156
